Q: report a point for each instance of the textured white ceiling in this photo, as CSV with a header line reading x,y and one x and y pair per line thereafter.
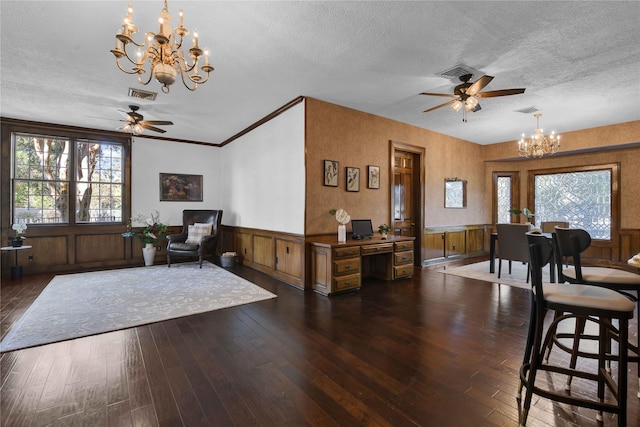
x,y
578,60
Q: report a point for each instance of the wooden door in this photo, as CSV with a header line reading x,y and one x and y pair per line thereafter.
x,y
407,194
403,189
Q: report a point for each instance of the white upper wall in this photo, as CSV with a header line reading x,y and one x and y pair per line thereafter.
x,y
151,157
264,175
258,180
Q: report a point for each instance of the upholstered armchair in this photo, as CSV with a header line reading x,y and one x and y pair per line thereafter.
x,y
199,237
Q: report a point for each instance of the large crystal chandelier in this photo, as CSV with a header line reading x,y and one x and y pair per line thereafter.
x,y
162,52
539,144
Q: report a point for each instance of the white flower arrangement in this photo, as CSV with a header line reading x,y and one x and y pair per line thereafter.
x,y
19,229
341,216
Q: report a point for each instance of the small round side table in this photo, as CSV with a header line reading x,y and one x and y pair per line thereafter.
x,y
16,270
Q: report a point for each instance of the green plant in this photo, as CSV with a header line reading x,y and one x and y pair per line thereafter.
x,y
524,211
384,229
151,232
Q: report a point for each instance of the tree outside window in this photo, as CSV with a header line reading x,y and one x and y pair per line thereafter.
x,y
59,180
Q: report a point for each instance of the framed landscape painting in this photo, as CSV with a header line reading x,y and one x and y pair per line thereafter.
x,y
176,187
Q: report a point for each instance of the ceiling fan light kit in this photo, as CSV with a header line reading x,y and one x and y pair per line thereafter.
x,y
136,123
539,144
466,95
162,52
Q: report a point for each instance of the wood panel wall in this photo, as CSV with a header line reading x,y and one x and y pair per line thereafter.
x,y
447,243
280,255
71,249
441,244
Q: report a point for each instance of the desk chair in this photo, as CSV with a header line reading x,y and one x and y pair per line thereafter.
x,y
590,303
512,245
570,243
199,237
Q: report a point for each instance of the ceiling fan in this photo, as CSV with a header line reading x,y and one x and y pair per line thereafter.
x,y
136,123
466,94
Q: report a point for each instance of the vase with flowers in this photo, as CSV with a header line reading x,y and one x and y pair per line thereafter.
x,y
343,219
19,228
150,234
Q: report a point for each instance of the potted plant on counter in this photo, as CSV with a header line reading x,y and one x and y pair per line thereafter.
x,y
384,231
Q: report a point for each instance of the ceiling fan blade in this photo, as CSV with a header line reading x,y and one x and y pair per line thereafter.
x,y
440,106
153,128
477,108
502,92
448,95
131,116
478,85
155,122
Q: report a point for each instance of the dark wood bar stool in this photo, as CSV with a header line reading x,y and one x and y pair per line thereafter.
x,y
590,303
569,244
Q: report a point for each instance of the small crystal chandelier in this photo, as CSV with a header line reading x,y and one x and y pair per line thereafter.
x,y
162,52
539,144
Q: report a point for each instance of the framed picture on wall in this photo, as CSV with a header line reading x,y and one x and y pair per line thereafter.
x,y
330,173
177,187
373,177
353,179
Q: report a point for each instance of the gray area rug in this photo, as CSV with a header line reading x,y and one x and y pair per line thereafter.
x,y
480,271
83,304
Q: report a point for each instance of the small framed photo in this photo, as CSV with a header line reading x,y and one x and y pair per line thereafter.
x,y
180,187
373,180
330,173
353,179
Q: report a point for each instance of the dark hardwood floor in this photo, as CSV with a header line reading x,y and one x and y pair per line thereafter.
x,y
435,350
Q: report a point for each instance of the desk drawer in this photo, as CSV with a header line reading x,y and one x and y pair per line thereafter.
x,y
346,252
346,266
401,271
404,246
377,249
400,258
346,282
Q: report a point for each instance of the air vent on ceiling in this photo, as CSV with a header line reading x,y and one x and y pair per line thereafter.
x,y
457,71
527,110
142,94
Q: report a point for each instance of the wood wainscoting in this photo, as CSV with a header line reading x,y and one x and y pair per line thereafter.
x,y
441,244
280,255
72,249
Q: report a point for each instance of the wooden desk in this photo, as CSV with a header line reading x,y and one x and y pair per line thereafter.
x,y
340,267
16,270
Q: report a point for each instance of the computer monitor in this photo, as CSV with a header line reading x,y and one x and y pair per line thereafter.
x,y
362,229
